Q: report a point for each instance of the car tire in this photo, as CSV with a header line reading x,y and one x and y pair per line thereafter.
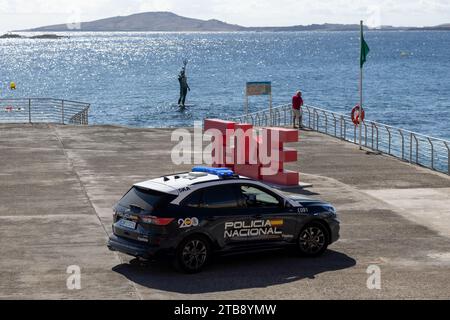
x,y
313,240
192,254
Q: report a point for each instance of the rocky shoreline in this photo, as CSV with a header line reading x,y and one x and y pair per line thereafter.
x,y
41,36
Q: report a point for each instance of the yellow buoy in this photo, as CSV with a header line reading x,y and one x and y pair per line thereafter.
x,y
12,86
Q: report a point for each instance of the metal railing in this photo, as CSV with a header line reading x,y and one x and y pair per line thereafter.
x,y
412,147
44,110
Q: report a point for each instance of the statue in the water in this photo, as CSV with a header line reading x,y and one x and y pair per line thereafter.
x,y
184,87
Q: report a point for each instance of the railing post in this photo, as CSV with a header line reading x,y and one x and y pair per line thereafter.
x,y
432,153
403,143
315,120
29,110
62,111
417,147
288,115
410,147
376,128
389,133
318,121
309,118
335,124
372,135
345,128
448,157
365,134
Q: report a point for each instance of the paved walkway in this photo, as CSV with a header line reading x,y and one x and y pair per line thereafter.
x,y
58,184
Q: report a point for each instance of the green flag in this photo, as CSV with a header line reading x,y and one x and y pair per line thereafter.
x,y
364,50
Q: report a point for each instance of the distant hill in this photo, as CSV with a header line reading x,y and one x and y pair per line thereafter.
x,y
442,27
149,21
167,21
312,27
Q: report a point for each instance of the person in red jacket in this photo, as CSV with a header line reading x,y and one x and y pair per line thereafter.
x,y
297,104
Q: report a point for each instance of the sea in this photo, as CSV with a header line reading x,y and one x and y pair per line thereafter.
x,y
131,78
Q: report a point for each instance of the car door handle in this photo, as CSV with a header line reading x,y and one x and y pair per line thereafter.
x,y
258,216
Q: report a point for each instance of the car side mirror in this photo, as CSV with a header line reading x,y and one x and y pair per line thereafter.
x,y
287,204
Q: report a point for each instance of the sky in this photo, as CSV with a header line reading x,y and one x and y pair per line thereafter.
x,y
22,14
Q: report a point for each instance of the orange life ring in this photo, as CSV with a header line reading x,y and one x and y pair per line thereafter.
x,y
356,118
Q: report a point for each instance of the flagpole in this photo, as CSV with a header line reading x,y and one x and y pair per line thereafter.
x,y
360,91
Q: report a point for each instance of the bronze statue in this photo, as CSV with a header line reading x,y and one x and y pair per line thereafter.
x,y
184,87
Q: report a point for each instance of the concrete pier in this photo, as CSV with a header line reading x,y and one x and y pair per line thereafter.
x,y
58,184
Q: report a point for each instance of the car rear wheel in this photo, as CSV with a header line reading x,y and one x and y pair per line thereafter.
x,y
313,240
192,254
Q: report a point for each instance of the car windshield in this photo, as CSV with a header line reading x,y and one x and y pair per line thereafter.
x,y
144,200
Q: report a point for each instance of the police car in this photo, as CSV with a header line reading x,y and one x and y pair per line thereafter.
x,y
192,215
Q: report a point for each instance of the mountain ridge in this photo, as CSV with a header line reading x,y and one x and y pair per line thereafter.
x,y
163,21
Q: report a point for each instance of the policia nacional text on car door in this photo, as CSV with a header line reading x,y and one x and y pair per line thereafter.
x,y
247,215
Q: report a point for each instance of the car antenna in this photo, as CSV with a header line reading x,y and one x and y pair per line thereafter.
x,y
166,179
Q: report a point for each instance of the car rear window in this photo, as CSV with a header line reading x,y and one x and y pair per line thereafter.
x,y
147,200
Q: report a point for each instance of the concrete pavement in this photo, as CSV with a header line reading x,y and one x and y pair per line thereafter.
x,y
58,184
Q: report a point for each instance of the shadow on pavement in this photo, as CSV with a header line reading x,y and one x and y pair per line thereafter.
x,y
257,270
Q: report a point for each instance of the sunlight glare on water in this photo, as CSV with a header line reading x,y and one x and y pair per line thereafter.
x,y
131,78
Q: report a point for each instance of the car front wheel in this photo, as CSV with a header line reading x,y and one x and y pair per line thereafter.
x,y
313,240
192,254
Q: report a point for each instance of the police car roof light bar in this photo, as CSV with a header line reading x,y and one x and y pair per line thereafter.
x,y
220,172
